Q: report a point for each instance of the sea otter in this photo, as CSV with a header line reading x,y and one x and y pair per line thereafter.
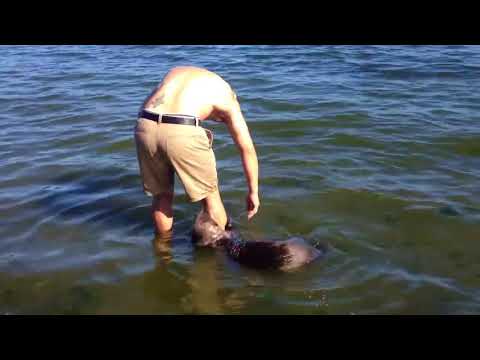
x,y
265,254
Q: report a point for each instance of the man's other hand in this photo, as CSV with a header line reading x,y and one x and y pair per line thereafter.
x,y
253,203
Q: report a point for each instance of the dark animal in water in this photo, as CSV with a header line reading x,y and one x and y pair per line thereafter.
x,y
266,254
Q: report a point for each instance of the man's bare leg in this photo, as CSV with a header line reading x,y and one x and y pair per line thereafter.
x,y
213,205
162,212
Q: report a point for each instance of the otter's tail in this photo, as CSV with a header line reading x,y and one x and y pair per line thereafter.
x,y
258,254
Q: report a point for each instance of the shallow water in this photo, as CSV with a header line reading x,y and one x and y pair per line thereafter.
x,y
374,150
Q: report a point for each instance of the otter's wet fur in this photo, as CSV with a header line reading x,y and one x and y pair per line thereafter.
x,y
265,254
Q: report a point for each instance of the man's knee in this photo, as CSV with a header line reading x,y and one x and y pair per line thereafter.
x,y
163,202
165,198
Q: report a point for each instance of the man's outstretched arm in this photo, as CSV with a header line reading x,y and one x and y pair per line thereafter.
x,y
231,114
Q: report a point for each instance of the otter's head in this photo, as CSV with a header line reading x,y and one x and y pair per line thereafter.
x,y
207,233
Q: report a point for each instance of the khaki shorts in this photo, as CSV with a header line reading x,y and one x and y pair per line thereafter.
x,y
166,149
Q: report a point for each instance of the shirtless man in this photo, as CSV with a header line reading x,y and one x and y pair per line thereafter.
x,y
170,140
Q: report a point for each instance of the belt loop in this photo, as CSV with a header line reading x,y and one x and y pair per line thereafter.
x,y
196,121
159,118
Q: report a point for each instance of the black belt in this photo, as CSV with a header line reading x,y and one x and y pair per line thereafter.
x,y
169,119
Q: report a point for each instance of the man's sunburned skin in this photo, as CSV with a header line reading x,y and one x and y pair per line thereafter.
x,y
198,92
180,102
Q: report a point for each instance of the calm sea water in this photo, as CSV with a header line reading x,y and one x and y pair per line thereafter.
x,y
374,150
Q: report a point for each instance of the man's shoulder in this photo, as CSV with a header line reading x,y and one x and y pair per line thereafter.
x,y
205,75
214,85
219,81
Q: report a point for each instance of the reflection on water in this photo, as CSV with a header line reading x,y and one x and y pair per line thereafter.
x,y
162,245
204,278
205,284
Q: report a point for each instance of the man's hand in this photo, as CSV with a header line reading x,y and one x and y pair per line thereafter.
x,y
253,204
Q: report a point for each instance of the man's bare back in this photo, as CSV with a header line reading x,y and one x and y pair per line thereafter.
x,y
201,93
193,91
